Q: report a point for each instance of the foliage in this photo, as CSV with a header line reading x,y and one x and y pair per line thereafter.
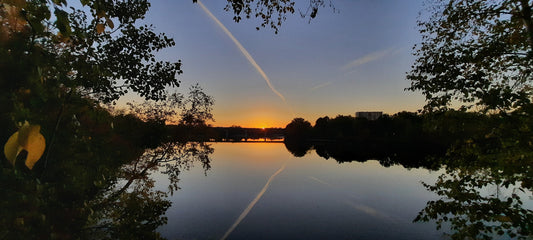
x,y
50,54
82,54
55,58
98,185
194,109
488,174
56,189
271,13
297,129
401,127
398,139
474,214
475,52
237,134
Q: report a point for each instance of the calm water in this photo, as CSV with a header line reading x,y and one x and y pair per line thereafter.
x,y
308,198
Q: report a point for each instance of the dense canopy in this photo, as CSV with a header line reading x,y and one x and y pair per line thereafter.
x,y
475,53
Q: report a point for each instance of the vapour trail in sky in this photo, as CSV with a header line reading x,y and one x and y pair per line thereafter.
x,y
252,203
244,52
355,205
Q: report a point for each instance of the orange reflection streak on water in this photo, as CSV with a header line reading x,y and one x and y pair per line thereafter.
x,y
258,155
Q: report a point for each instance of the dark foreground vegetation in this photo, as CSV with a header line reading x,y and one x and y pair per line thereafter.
x,y
71,167
94,177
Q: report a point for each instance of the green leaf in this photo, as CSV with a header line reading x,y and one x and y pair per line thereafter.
x,y
62,23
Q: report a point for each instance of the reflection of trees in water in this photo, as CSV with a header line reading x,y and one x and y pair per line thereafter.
x,y
185,155
479,203
397,139
409,156
132,209
482,192
298,148
122,204
486,181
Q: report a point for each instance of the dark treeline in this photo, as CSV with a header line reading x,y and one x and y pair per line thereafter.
x,y
406,138
399,138
237,134
206,133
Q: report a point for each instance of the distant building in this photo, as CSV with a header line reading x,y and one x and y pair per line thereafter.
x,y
369,115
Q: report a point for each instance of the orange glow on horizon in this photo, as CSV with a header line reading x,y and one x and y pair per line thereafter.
x,y
264,114
258,126
252,123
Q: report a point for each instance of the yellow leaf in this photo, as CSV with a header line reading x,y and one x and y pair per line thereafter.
x,y
28,138
35,145
100,28
24,133
12,148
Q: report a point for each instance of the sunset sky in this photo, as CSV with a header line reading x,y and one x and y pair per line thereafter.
x,y
341,62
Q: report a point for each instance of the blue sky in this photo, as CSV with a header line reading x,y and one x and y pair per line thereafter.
x,y
341,62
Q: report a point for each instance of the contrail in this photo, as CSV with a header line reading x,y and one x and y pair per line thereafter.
x,y
357,206
320,181
369,210
252,203
243,51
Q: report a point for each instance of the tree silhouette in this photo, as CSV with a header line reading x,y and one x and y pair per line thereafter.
x,y
272,13
297,129
475,52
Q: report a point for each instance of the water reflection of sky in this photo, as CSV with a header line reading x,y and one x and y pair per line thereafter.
x,y
311,198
